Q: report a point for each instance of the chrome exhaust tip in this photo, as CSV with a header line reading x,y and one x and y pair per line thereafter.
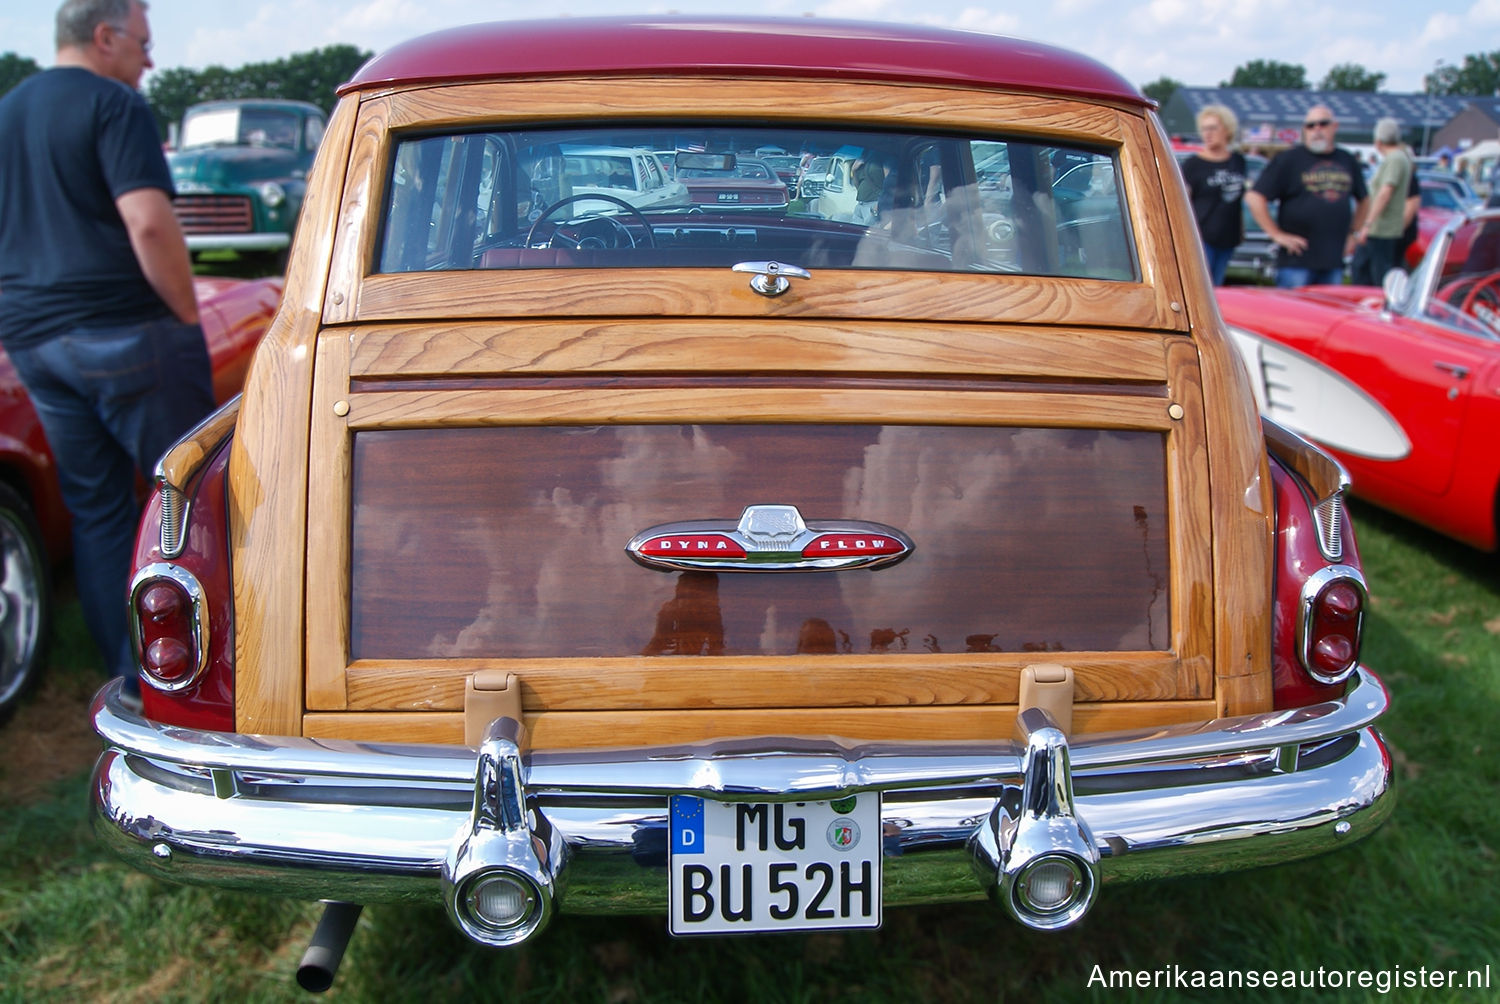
x,y
1034,852
500,876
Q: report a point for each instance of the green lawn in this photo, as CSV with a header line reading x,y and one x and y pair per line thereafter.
x,y
1420,893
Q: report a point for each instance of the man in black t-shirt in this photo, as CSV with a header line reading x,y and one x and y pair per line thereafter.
x,y
1322,197
97,309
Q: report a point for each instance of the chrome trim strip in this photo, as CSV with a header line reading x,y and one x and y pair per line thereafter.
x,y
1315,584
371,839
1323,474
174,517
189,583
1329,516
185,458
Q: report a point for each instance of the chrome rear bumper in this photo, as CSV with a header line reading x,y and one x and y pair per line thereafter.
x,y
586,831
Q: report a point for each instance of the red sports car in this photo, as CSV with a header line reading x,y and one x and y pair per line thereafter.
x,y
1438,207
33,522
1401,384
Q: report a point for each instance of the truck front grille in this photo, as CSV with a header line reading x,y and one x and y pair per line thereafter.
x,y
214,214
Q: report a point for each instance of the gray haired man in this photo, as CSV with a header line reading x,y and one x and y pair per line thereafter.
x,y
1380,237
98,313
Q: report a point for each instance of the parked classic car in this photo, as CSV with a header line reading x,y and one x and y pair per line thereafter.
x,y
33,522
729,182
240,168
1402,385
1437,208
621,174
761,571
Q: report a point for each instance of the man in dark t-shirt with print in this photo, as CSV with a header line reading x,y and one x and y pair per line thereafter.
x,y
1322,197
97,309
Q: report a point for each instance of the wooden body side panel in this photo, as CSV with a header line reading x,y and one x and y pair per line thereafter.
x,y
268,466
1243,515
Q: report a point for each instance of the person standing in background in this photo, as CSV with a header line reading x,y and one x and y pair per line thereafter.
x,y
1381,233
97,307
1322,197
1215,179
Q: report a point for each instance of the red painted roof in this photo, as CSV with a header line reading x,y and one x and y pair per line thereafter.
x,y
793,47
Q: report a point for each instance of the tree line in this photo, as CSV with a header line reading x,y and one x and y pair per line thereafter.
x,y
305,76
313,76
1477,76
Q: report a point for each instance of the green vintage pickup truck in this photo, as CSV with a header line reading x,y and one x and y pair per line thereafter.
x,y
240,168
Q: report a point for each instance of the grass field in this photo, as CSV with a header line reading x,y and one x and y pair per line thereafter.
x,y
1422,892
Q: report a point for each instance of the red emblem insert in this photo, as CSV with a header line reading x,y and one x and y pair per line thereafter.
x,y
694,545
830,545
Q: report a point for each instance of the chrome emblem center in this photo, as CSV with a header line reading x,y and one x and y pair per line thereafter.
x,y
769,538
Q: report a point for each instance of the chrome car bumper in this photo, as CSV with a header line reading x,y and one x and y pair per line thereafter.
x,y
238,242
585,831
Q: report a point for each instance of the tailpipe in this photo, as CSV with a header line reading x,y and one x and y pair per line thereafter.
x,y
1034,851
320,963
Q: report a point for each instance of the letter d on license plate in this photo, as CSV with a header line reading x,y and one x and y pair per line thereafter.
x,y
774,866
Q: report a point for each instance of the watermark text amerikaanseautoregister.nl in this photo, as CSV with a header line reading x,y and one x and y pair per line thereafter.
x,y
1379,980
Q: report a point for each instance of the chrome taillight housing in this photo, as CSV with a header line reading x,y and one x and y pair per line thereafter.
x,y
169,626
1332,617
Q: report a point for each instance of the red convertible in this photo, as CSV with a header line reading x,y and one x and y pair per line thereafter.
x,y
34,524
1402,384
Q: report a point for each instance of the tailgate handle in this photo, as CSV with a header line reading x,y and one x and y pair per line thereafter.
x,y
489,694
1048,686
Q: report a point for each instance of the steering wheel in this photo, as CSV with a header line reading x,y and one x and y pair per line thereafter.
x,y
620,228
1483,301
1455,292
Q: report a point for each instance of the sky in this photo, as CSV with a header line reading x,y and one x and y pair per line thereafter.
x,y
1198,42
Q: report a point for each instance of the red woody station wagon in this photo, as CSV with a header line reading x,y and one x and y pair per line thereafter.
x,y
757,570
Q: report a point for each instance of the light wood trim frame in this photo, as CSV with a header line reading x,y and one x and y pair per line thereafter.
x,y
358,295
581,348
1182,673
559,730
1243,514
726,682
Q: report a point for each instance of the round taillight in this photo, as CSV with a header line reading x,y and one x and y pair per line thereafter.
x,y
1341,601
1333,654
168,659
168,621
160,602
1334,605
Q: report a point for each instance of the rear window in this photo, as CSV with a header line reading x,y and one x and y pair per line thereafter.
x,y
1025,540
606,198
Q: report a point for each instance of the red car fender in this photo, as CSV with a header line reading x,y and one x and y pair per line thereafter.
x,y
208,703
1298,558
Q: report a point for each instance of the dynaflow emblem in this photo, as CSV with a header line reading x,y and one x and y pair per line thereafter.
x,y
769,538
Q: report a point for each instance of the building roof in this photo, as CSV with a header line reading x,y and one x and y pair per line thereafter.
x,y
741,46
1488,107
1357,111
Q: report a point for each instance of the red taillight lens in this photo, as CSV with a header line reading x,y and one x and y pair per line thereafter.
x,y
1334,614
169,634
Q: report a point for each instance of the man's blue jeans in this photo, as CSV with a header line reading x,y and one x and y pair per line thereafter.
x,y
1291,278
112,400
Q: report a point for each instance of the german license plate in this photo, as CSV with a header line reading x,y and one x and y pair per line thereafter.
x,y
774,866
